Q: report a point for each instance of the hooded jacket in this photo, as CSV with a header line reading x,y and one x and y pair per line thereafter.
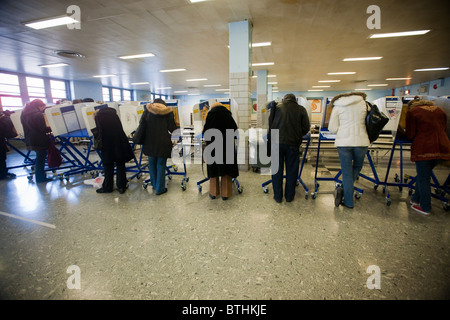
x,y
347,120
426,127
115,144
34,126
160,123
220,118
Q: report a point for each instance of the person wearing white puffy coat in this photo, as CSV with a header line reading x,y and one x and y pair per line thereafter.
x,y
347,120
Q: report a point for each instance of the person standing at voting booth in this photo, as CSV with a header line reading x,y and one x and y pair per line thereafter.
x,y
114,147
220,164
292,122
426,126
7,130
159,124
37,135
348,121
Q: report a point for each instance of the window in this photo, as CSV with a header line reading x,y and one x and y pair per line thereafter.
x,y
106,95
10,92
126,95
58,90
117,94
36,88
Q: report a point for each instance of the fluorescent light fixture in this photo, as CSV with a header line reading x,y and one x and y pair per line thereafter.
x,y
212,85
182,91
362,59
268,76
199,79
315,90
272,82
432,69
193,94
378,85
138,83
263,64
329,81
53,65
172,70
194,1
399,34
222,89
104,75
261,44
321,86
393,79
136,56
335,73
164,88
366,89
51,22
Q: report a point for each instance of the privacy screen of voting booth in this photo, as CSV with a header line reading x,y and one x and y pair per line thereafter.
x,y
130,115
88,116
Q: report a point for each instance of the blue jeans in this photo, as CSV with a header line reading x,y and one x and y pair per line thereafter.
x,y
288,155
352,161
157,169
422,195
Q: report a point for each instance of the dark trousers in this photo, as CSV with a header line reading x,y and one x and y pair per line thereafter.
x,y
3,169
121,176
39,165
289,156
422,195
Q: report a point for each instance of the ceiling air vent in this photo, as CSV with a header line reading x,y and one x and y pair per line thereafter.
x,y
70,54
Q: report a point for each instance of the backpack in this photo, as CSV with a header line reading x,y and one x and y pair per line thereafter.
x,y
375,121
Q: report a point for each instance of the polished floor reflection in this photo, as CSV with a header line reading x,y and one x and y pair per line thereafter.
x,y
183,245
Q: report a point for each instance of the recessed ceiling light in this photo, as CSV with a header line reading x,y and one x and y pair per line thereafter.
x,y
222,89
182,91
200,79
50,22
136,56
164,88
263,64
139,83
335,73
172,70
261,44
272,82
399,34
315,90
104,75
329,81
432,69
212,85
366,89
193,94
53,65
268,76
362,59
194,1
391,79
321,86
378,85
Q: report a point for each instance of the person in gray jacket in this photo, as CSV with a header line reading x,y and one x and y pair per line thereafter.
x,y
292,122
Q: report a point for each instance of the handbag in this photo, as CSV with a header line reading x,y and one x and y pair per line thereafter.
x,y
7,127
54,158
375,121
139,133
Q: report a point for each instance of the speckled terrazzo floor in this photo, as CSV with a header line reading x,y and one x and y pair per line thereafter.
x,y
183,245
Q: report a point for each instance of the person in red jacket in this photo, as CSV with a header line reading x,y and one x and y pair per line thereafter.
x,y
426,126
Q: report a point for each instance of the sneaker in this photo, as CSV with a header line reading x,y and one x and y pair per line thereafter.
x,y
338,196
417,208
413,203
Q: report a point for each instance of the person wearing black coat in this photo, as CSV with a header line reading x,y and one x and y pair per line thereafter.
x,y
6,130
219,165
36,135
292,122
159,125
115,149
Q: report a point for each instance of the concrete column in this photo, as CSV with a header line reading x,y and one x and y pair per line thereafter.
x,y
240,40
